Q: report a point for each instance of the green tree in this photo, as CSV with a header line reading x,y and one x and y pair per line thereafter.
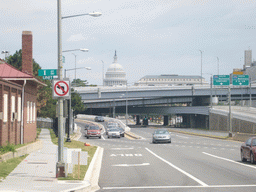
x,y
76,103
46,106
79,83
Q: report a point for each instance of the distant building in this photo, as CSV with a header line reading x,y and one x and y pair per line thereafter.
x,y
247,58
251,71
170,80
115,74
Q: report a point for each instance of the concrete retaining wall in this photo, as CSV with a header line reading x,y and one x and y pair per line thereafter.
x,y
22,151
220,123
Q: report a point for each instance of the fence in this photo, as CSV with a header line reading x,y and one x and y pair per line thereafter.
x,y
45,123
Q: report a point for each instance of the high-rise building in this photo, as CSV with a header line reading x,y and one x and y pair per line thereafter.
x,y
247,58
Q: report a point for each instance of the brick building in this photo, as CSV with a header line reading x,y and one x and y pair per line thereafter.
x,y
18,97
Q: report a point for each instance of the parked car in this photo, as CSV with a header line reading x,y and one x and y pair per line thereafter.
x,y
93,131
114,132
161,135
99,119
248,150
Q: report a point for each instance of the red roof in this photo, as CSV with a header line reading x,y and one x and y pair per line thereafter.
x,y
8,71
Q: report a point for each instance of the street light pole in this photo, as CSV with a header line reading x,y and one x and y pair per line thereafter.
x,y
126,107
60,167
75,68
218,64
201,67
102,73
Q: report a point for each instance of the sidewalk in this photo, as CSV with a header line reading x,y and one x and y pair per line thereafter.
x,y
37,172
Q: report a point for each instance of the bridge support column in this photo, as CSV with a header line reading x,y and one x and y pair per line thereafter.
x,y
137,120
186,121
166,120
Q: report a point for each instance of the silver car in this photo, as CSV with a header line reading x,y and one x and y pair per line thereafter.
x,y
161,135
114,133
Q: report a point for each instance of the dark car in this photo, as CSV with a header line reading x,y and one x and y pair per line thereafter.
x,y
99,119
248,150
161,135
93,131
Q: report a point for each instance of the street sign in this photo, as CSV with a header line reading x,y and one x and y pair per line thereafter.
x,y
241,80
221,80
61,88
47,72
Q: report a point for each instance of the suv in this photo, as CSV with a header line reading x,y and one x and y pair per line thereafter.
x,y
93,131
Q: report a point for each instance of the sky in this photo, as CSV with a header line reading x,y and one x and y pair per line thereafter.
x,y
151,37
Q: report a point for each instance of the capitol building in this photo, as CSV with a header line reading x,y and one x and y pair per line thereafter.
x,y
115,75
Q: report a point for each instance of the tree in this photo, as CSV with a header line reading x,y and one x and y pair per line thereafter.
x,y
46,106
76,103
79,83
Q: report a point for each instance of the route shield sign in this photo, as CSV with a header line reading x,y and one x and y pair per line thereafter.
x,y
241,80
61,88
221,80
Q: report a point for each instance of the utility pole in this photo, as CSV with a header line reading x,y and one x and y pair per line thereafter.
x,y
230,113
60,167
201,67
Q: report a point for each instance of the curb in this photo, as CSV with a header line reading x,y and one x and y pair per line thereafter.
x,y
130,134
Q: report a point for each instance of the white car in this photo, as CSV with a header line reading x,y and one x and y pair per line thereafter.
x,y
114,133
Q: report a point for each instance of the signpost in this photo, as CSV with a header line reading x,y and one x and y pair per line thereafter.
x,y
61,89
241,80
221,80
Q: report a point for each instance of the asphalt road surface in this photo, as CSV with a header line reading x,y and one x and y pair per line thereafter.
x,y
189,163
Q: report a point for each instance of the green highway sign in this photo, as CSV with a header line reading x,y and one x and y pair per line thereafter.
x,y
221,80
240,80
47,72
47,77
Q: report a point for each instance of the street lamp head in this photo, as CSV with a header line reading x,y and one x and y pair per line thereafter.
x,y
95,14
84,50
88,68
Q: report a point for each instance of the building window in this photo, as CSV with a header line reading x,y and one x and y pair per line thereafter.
x,y
27,111
19,108
12,108
31,112
5,118
34,112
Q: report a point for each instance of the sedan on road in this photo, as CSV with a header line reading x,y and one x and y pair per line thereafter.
x,y
99,119
114,133
248,150
93,131
161,135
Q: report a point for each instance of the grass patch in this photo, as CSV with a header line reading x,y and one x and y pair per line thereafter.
x,y
38,131
12,147
7,167
76,144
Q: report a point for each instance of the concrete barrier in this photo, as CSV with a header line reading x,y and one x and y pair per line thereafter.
x,y
22,151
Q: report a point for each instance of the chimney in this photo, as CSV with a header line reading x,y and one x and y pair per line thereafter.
x,y
27,55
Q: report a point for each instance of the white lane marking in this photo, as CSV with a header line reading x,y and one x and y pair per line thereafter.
x,y
184,172
170,187
130,165
182,136
103,137
251,166
121,148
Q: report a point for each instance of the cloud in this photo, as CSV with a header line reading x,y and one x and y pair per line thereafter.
x,y
77,37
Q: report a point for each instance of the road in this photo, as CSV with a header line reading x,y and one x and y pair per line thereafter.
x,y
189,163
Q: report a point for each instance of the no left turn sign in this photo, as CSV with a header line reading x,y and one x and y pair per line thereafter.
x,y
61,89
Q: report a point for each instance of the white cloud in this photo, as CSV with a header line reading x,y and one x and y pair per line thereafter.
x,y
77,37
